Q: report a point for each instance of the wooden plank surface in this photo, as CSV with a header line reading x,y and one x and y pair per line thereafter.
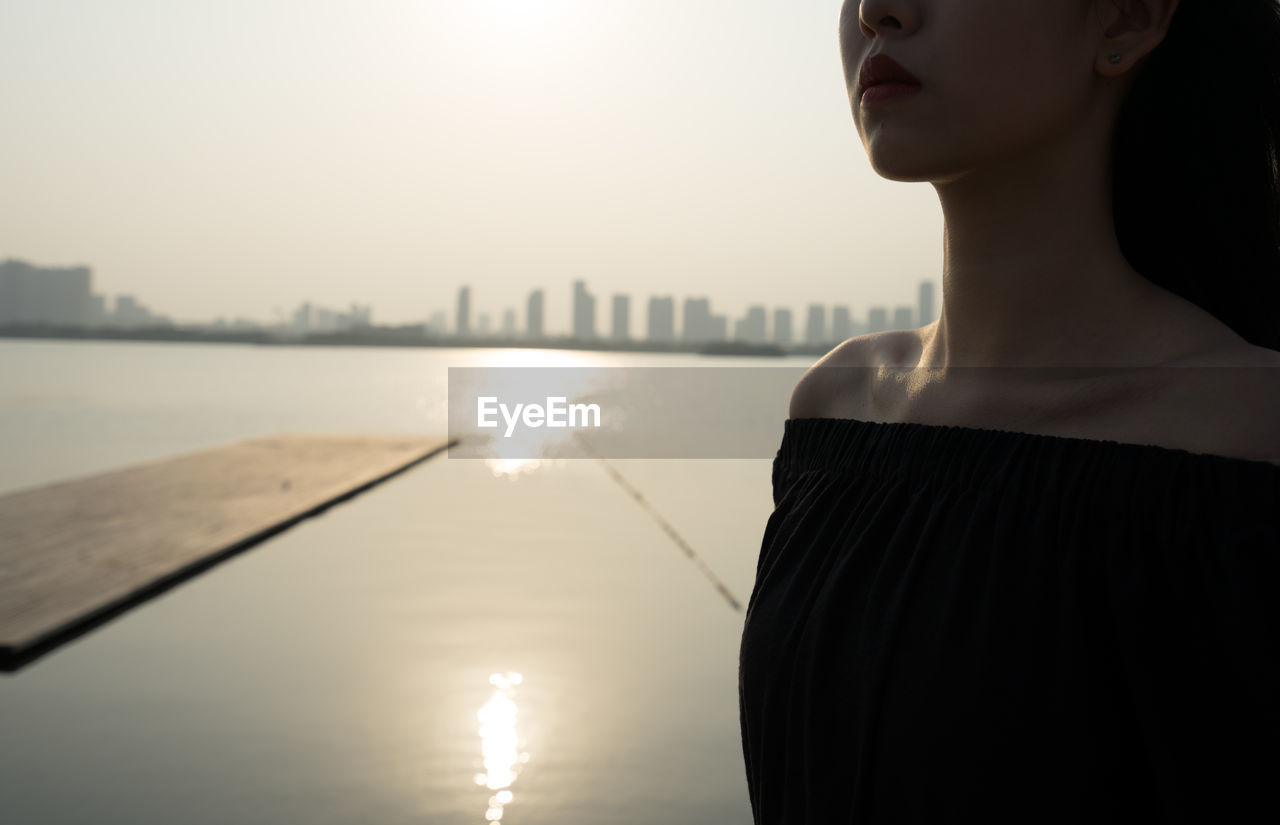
x,y
76,553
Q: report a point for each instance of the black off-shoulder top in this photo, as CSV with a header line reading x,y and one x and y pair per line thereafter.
x,y
951,624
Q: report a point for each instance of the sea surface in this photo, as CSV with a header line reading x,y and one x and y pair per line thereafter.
x,y
471,641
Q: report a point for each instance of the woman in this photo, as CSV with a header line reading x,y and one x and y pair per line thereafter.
x,y
1024,561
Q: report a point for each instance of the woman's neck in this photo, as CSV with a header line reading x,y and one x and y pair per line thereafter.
x,y
1033,274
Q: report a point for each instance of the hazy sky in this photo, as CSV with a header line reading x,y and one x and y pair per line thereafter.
x,y
235,157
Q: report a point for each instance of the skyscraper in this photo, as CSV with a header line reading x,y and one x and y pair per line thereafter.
x,y
750,328
46,295
782,325
696,324
841,324
877,319
662,318
304,317
815,326
902,318
584,312
462,326
926,313
533,323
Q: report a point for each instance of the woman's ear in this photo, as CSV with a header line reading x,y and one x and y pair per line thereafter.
x,y
1129,30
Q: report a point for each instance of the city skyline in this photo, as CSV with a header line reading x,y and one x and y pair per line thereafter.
x,y
696,322
431,315
31,293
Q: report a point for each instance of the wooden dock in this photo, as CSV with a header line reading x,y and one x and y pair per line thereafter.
x,y
75,554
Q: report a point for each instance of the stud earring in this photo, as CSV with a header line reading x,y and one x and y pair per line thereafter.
x,y
1115,58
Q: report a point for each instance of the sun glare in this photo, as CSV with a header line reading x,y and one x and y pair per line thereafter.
x,y
520,14
529,34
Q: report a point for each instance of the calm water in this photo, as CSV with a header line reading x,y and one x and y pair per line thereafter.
x,y
467,642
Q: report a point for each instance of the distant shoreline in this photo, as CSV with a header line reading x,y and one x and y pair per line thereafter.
x,y
411,336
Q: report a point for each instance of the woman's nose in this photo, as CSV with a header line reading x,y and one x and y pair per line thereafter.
x,y
880,17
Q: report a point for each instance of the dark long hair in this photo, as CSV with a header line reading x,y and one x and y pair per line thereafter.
x,y
1196,164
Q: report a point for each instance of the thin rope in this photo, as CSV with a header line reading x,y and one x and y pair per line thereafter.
x,y
665,525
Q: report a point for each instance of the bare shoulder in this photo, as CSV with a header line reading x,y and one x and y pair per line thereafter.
x,y
1259,416
811,397
838,382
1234,393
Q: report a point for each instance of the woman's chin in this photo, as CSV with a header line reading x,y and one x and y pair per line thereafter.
x,y
903,169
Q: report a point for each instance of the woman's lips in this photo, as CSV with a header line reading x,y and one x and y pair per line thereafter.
x,y
887,91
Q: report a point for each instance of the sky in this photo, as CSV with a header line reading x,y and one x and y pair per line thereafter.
x,y
235,158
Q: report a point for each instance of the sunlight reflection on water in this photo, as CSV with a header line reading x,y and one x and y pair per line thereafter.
x,y
514,468
500,743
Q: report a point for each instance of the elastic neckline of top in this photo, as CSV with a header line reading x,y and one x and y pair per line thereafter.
x,y
990,433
